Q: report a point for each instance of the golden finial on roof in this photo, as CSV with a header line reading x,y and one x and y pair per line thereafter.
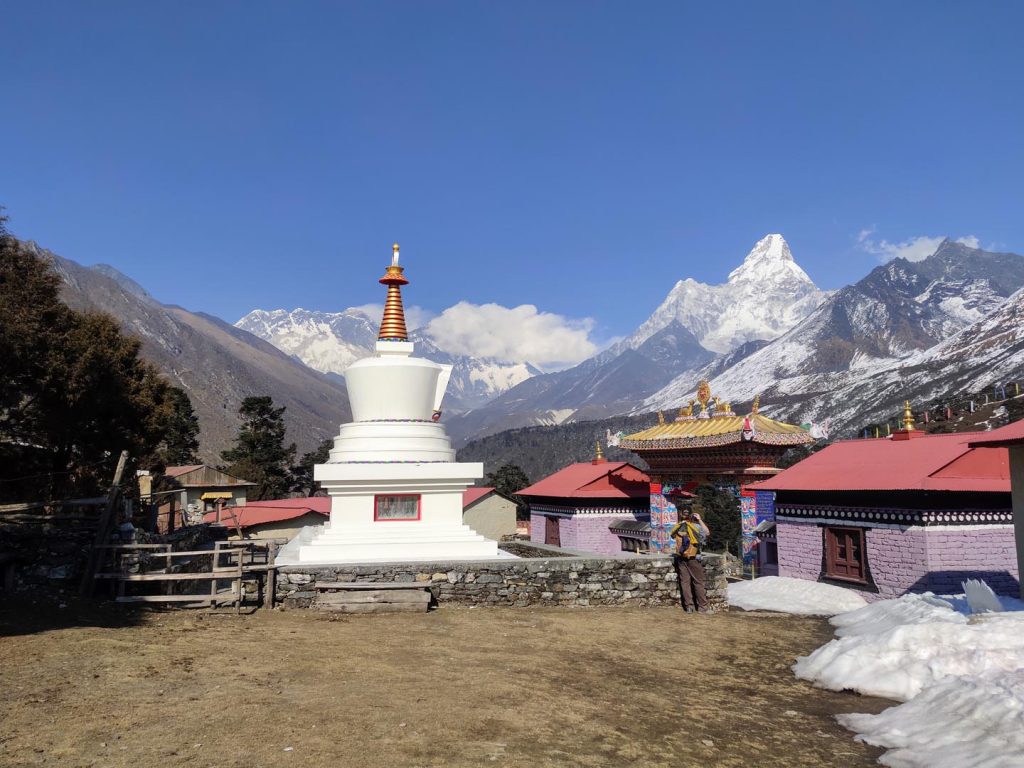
x,y
908,417
756,405
598,454
686,411
661,417
392,324
704,394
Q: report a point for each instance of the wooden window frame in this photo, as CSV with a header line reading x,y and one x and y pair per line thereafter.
x,y
840,569
379,496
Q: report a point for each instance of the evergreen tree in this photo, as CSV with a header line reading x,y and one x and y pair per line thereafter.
x,y
181,436
302,473
721,511
259,454
507,480
74,391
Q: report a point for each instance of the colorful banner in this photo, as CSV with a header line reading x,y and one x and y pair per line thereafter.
x,y
748,522
663,517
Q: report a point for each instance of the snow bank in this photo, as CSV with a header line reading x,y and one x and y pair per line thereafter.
x,y
962,679
961,722
799,596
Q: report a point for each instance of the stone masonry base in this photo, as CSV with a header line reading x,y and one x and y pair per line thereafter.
x,y
570,581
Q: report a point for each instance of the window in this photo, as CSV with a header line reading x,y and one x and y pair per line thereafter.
x,y
405,507
845,558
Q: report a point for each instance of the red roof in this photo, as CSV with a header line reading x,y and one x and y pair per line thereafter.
x,y
275,511
926,463
1011,434
606,480
472,495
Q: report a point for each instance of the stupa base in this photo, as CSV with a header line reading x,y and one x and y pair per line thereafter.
x,y
324,545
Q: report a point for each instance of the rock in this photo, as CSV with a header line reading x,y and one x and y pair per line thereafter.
x,y
638,578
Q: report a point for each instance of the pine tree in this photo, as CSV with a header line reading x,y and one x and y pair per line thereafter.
x,y
721,511
181,434
508,479
259,454
74,391
302,473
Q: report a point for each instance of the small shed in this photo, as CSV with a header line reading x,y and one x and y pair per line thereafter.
x,y
910,513
489,513
188,491
576,506
275,519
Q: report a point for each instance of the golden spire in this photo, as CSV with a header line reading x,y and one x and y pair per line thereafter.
x,y
908,417
661,417
392,324
756,405
598,455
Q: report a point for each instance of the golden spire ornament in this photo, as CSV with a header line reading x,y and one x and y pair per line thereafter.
x,y
392,324
908,417
598,454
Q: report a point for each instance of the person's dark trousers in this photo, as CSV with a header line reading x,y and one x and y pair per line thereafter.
x,y
691,582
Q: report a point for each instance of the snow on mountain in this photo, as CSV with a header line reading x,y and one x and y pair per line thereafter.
x,y
762,298
331,341
904,331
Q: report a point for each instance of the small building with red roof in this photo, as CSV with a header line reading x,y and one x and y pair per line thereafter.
x,y
489,513
272,519
909,513
578,505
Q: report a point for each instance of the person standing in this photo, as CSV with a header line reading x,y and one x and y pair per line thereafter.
x,y
690,535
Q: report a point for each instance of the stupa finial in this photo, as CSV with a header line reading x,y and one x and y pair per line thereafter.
x,y
908,417
392,324
598,454
756,405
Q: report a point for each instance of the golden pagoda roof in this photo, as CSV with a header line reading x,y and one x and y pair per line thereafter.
x,y
716,430
715,424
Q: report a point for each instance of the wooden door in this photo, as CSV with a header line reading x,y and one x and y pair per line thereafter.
x,y
551,534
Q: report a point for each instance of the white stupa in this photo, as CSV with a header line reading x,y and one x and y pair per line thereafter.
x,y
395,487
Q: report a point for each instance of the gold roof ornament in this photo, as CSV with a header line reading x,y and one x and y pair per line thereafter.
x,y
598,454
722,427
392,324
908,417
756,404
704,395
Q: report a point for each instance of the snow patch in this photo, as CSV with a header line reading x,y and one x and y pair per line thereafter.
x,y
797,596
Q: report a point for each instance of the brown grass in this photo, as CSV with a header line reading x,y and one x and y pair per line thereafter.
x,y
456,687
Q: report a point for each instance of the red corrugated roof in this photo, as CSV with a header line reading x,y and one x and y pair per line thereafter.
x,y
473,495
1011,434
275,511
928,463
607,480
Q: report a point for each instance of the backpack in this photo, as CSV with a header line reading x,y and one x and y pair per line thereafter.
x,y
690,541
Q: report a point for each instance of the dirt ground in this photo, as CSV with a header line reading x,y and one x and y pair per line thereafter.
x,y
456,687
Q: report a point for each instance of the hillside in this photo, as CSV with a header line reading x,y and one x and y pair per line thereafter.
x,y
215,363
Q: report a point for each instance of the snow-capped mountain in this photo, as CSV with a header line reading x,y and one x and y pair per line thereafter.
x,y
908,329
763,297
331,341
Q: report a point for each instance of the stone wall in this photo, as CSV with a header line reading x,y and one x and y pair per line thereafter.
x,y
570,581
800,546
984,552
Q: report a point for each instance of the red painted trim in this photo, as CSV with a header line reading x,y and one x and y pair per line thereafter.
x,y
419,507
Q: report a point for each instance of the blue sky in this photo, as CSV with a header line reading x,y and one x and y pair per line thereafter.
x,y
577,156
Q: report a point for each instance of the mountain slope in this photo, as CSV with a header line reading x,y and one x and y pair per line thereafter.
x,y
331,341
763,297
216,364
904,331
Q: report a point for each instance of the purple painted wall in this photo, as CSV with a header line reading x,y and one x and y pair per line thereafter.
x,y
799,549
588,533
912,559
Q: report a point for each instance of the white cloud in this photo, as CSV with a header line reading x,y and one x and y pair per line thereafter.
x,y
415,317
513,334
911,249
